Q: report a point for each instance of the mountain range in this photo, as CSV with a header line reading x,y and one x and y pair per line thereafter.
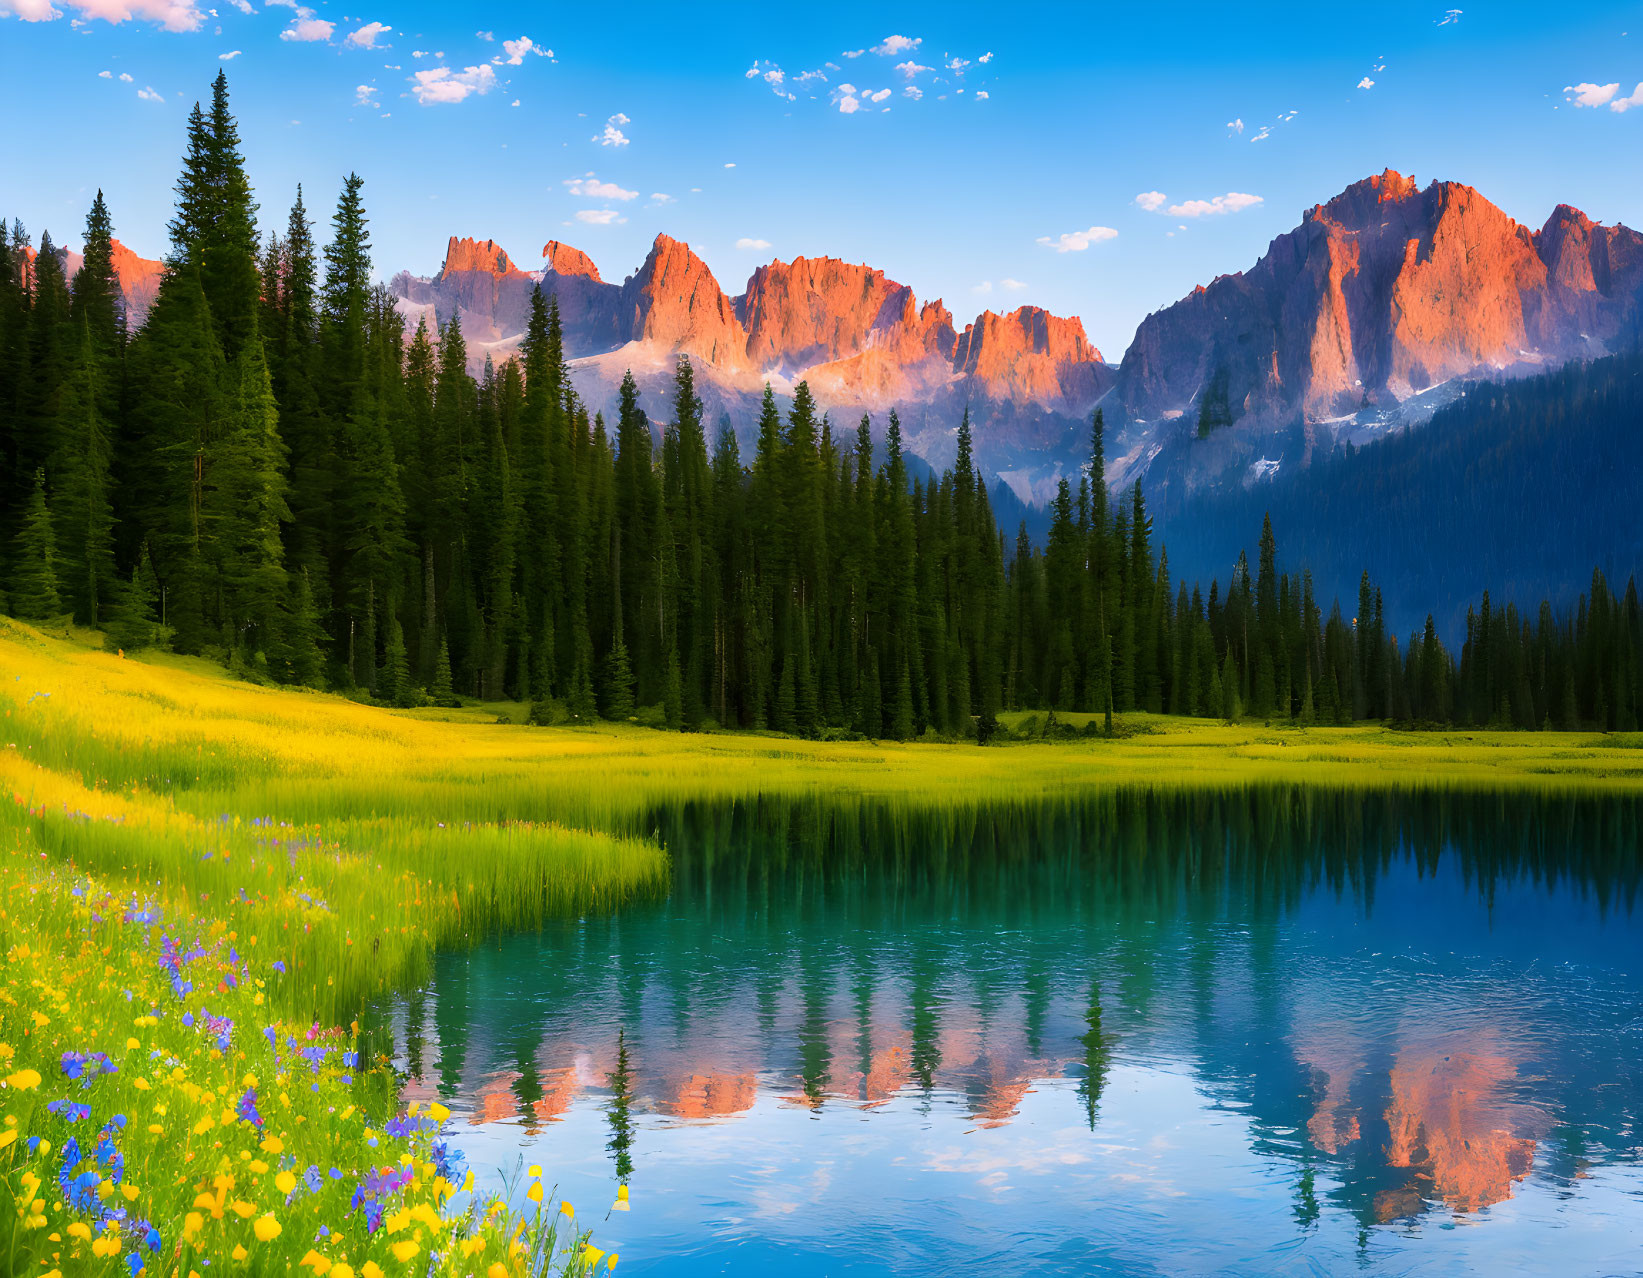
x,y
1377,308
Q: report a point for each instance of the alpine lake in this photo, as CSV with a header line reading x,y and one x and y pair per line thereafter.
x,y
1275,1030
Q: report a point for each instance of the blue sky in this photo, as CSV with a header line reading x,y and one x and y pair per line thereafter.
x,y
1011,174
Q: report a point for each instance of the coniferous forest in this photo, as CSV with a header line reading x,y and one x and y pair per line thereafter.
x,y
271,471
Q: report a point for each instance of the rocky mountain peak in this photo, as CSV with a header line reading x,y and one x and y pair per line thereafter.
x,y
562,259
674,301
463,254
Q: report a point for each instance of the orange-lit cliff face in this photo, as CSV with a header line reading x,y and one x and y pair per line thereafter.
x,y
859,338
1382,292
139,277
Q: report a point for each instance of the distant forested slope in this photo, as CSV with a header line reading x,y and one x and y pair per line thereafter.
x,y
1520,488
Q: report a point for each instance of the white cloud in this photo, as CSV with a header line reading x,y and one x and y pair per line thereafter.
x,y
1011,286
125,77
910,68
489,37
985,287
1449,15
1366,83
1627,103
854,53
957,65
228,57
844,97
660,197
105,75
173,15
599,217
891,46
591,188
244,6
1078,241
731,165
982,95
1264,134
1151,201
752,246
366,36
878,96
1590,95
148,95
518,50
985,58
441,84
912,91
612,134
306,29
1235,126
1231,202
363,94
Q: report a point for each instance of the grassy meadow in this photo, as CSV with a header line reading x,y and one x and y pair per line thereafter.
x,y
207,880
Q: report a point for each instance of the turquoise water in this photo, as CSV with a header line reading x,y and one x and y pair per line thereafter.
x,y
1257,1033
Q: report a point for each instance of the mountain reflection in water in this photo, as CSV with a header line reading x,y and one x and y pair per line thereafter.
x,y
1246,1031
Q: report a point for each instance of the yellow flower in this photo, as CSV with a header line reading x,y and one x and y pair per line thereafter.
x,y
285,1182
534,1193
24,1080
244,1210
498,1270
370,1269
131,1192
273,1145
141,1084
567,1211
403,1251
79,1229
132,1044
438,1112
7,1136
468,1181
107,1245
239,1252
192,1224
267,1228
621,1193
318,1263
613,1259
534,1171
340,1270
591,1255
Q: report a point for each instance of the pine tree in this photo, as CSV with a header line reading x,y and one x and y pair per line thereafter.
x,y
214,229
619,704
98,305
83,511
33,594
243,509
134,610
300,658
441,692
394,685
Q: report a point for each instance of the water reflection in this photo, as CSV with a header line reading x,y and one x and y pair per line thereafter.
x,y
1203,1027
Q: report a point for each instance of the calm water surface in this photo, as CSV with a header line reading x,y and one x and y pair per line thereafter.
x,y
1264,1033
